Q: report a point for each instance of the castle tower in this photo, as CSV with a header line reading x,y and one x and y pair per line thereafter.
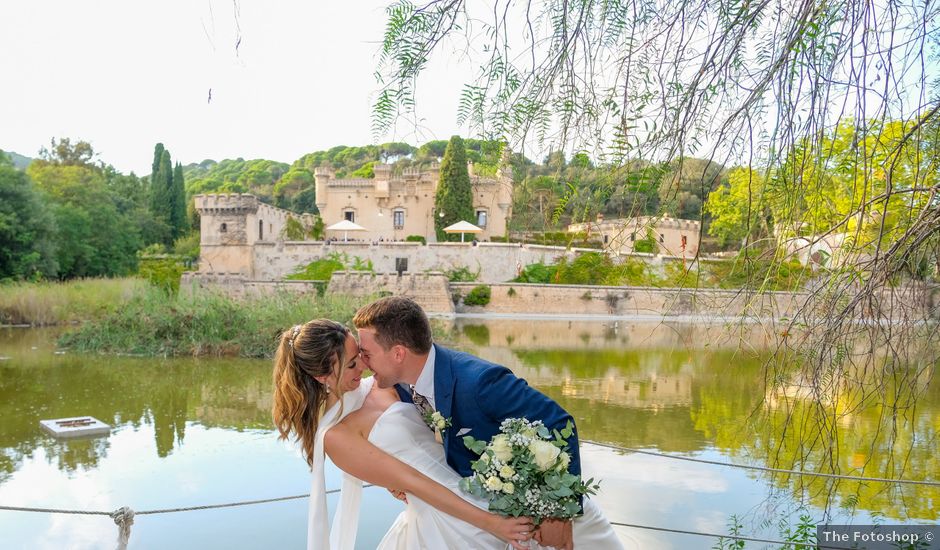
x,y
322,176
226,238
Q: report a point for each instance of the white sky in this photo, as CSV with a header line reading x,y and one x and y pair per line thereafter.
x,y
124,75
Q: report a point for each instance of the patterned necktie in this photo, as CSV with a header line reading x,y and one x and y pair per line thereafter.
x,y
421,403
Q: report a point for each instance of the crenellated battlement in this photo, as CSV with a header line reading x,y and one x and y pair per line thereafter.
x,y
228,203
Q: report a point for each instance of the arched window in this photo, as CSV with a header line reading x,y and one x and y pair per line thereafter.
x,y
223,229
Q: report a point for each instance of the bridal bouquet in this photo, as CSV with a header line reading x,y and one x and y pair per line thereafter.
x,y
523,471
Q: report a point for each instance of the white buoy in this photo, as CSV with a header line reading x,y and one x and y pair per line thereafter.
x,y
75,427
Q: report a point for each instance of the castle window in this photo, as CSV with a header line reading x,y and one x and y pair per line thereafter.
x,y
481,218
684,241
632,236
260,230
662,237
350,216
398,219
223,229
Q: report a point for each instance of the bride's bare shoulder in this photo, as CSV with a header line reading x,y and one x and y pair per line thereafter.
x,y
361,420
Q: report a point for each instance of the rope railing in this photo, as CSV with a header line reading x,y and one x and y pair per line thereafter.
x,y
124,517
764,468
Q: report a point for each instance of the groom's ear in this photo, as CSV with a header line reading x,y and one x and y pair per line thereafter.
x,y
398,352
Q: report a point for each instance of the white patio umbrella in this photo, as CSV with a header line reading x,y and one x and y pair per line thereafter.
x,y
462,227
345,226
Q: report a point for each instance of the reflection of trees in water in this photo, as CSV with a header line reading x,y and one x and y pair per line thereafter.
x,y
686,401
122,392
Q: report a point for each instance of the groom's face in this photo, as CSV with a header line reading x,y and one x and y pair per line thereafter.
x,y
383,362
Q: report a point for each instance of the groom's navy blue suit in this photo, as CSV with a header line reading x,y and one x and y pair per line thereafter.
x,y
477,396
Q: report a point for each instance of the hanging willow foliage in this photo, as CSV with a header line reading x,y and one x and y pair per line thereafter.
x,y
829,110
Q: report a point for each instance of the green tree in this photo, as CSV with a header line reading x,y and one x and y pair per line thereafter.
x,y
27,249
454,196
96,236
161,188
178,220
735,208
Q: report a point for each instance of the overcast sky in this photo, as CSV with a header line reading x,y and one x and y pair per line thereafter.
x,y
124,75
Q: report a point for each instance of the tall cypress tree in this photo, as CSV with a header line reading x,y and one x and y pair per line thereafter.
x,y
454,195
162,182
178,196
155,194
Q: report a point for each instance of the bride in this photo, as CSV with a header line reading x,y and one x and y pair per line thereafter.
x,y
320,397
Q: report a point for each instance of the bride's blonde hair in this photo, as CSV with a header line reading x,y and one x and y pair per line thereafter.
x,y
316,348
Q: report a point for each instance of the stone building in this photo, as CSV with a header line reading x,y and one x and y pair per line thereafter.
x,y
673,236
229,227
392,207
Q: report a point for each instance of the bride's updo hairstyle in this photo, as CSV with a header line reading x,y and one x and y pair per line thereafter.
x,y
316,348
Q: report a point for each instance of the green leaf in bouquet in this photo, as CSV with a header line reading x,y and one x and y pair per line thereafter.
x,y
572,508
474,445
553,481
562,492
569,429
479,466
543,432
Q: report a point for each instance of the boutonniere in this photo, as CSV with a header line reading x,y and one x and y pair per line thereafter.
x,y
436,421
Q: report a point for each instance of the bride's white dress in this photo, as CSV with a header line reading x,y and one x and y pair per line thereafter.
x,y
401,432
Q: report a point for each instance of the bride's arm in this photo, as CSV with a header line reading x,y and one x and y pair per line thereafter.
x,y
355,455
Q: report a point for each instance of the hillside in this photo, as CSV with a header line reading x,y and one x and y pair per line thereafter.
x,y
19,161
548,195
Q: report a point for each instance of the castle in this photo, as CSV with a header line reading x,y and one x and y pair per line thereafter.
x,y
391,208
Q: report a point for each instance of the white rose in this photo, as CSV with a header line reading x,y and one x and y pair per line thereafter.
x,y
440,424
494,484
508,488
506,472
545,453
502,450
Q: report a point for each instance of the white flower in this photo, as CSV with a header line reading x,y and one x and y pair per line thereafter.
x,y
485,457
506,472
494,484
502,450
508,488
545,454
563,460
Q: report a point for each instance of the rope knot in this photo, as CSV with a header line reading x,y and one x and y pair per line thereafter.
x,y
123,517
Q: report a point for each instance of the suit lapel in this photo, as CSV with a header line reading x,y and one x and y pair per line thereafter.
x,y
444,381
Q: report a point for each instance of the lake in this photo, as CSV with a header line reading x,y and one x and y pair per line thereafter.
x,y
198,431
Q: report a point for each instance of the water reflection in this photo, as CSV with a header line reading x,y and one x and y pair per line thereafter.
x,y
38,384
185,429
690,389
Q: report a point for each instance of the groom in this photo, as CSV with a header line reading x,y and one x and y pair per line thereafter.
x,y
476,395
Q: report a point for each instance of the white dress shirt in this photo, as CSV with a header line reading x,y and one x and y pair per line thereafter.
x,y
425,383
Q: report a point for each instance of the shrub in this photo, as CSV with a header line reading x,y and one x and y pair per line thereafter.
x,y
462,275
536,273
479,296
322,269
163,272
416,239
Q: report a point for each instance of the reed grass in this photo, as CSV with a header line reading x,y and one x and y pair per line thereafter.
x,y
204,323
55,303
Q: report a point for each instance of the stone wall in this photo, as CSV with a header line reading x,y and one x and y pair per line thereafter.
x,y
428,289
515,298
495,262
239,286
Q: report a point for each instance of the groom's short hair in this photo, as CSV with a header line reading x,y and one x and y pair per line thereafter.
x,y
396,320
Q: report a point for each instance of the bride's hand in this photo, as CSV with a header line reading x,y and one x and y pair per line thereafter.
x,y
515,531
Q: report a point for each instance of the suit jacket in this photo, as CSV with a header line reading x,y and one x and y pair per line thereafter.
x,y
477,396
